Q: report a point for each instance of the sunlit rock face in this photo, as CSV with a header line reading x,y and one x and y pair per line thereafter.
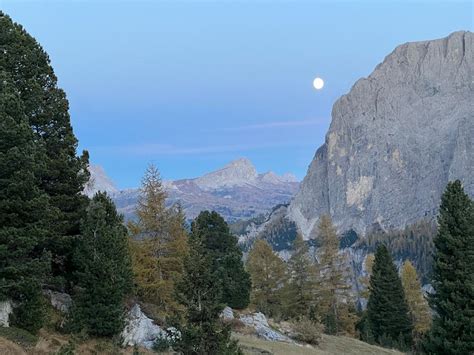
x,y
395,141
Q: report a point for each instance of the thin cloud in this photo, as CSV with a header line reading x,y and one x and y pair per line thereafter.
x,y
170,150
275,124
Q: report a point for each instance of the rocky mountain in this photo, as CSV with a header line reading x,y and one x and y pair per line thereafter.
x,y
237,191
395,140
99,181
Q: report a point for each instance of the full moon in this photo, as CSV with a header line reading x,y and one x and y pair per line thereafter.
x,y
318,83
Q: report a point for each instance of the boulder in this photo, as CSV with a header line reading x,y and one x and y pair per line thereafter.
x,y
142,331
6,308
257,319
259,322
59,300
227,314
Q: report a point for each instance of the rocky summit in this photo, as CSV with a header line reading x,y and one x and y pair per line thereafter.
x,y
236,191
395,140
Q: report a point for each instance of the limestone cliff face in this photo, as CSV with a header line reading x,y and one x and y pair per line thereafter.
x,y
395,141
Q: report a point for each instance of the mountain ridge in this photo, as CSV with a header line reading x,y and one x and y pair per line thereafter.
x,y
236,191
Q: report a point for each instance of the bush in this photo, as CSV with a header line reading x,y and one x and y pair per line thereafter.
x,y
307,331
162,345
67,349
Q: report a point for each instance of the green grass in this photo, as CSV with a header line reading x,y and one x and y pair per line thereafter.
x,y
19,336
329,345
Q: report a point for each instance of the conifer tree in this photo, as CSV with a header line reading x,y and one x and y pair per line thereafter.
x,y
24,212
418,305
300,297
226,257
269,277
63,174
103,270
177,248
158,244
387,309
335,301
452,331
200,293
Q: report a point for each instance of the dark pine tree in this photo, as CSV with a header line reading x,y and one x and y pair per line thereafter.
x,y
226,257
104,274
200,293
45,106
452,330
387,310
23,212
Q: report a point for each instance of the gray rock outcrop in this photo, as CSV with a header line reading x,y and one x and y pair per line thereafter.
x,y
59,300
395,141
259,322
6,308
227,314
141,330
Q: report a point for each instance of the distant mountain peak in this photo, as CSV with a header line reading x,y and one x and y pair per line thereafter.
x,y
289,177
238,172
236,191
99,181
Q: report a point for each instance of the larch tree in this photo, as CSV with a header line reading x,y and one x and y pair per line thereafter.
x,y
334,299
63,174
387,310
452,330
103,270
301,289
158,244
365,280
417,303
362,325
269,277
24,212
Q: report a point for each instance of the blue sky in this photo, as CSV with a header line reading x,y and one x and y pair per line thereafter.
x,y
191,85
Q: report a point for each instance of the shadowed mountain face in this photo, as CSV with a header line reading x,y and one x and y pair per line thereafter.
x,y
395,141
236,191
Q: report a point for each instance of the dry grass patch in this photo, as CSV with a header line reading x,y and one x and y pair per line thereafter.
x,y
329,345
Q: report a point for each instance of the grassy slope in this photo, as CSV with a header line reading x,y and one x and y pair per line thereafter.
x,y
328,345
50,343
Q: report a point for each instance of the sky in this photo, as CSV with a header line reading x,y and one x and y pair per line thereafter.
x,y
191,85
